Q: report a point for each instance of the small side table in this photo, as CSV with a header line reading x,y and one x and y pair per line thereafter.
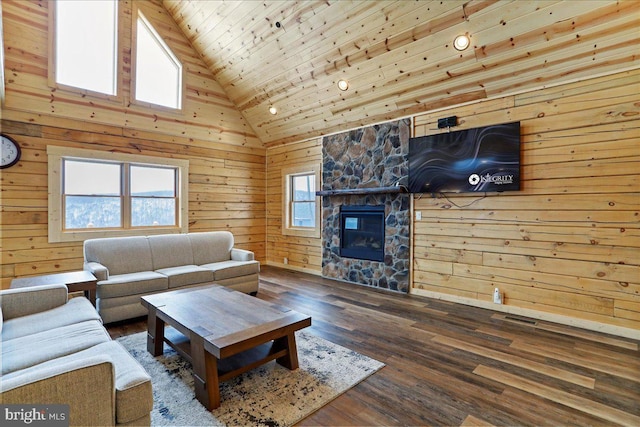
x,y
76,281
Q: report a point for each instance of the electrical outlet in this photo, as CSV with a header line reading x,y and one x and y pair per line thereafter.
x,y
497,296
418,215
286,260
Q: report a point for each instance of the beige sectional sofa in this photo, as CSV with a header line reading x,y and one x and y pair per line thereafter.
x,y
130,267
56,351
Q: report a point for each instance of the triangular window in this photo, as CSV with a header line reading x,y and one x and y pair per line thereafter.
x,y
158,75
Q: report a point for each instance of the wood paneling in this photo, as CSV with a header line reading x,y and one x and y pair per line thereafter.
x,y
207,114
226,191
227,161
302,253
397,55
567,243
450,365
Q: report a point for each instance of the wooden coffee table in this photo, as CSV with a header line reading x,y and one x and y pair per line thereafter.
x,y
222,332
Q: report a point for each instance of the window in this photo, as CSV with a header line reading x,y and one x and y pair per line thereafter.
x,y
301,208
153,195
158,73
92,196
303,200
1,61
97,194
86,45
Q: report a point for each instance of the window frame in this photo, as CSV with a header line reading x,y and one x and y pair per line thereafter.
x,y
287,201
52,78
2,88
182,87
57,231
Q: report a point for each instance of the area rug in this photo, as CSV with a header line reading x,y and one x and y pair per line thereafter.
x,y
270,395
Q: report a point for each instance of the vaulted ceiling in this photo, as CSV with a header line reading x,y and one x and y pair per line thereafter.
x,y
396,55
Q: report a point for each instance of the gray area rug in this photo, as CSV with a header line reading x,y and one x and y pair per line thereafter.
x,y
270,395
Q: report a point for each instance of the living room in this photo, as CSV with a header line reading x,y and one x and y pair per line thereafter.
x,y
563,249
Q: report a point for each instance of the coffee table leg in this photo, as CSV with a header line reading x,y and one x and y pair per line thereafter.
x,y
155,333
205,374
290,360
213,385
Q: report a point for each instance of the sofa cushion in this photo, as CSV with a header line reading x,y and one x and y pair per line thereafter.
x,y
120,308
226,269
30,350
75,311
121,255
186,275
132,284
170,250
212,246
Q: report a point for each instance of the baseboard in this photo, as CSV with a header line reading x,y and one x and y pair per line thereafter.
x,y
293,268
539,315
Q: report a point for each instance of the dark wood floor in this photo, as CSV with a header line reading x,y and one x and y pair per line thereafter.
x,y
452,365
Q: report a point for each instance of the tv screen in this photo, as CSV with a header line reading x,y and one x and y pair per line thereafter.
x,y
471,160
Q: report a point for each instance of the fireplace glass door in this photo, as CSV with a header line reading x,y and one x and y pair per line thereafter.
x,y
362,232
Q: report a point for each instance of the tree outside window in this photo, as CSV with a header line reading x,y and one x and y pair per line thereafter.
x,y
100,194
301,208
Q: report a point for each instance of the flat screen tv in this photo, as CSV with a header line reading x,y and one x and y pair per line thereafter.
x,y
481,159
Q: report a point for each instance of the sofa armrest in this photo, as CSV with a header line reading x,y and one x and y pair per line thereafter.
x,y
241,255
87,385
100,271
35,299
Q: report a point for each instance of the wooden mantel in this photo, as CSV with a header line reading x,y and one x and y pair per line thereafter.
x,y
359,191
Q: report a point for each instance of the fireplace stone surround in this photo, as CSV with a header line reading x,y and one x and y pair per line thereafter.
x,y
368,166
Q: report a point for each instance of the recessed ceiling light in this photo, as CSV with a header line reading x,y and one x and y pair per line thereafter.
x,y
461,42
343,84
273,110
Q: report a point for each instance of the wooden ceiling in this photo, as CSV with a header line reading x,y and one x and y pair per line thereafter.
x,y
397,55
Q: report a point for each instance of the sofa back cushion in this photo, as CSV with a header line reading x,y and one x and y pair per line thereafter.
x,y
211,246
170,250
121,255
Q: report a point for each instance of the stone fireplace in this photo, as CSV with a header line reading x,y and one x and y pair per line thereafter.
x,y
364,206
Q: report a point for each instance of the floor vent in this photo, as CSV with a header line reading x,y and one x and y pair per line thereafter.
x,y
521,320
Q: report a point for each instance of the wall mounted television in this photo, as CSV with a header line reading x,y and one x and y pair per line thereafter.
x,y
483,159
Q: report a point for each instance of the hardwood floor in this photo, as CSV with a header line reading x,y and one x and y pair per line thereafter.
x,y
453,365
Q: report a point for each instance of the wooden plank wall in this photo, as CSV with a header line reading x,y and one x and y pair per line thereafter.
x,y
303,253
227,161
397,54
568,244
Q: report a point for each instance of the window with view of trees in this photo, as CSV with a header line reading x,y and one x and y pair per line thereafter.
x,y
118,195
301,209
114,194
92,194
303,200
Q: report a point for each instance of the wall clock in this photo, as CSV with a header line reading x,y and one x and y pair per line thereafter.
x,y
10,152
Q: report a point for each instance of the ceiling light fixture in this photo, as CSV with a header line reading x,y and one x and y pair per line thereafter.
x,y
461,42
273,110
343,84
